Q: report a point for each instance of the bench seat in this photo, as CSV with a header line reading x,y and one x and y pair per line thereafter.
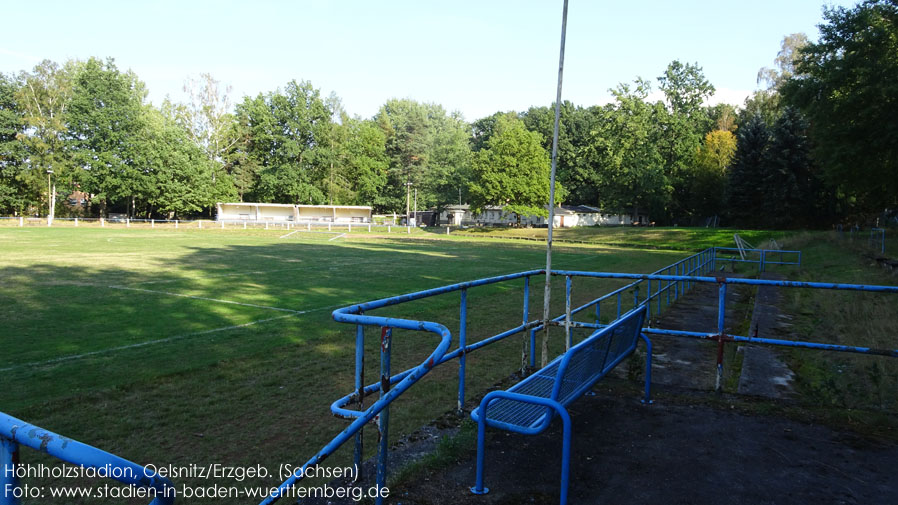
x,y
529,406
587,363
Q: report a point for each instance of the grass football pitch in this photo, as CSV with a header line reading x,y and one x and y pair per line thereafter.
x,y
217,346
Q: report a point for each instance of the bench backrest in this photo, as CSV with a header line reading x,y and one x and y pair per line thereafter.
x,y
587,362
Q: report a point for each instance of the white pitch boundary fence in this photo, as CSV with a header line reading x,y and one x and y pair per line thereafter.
x,y
292,228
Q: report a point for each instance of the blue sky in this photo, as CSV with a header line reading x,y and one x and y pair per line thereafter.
x,y
476,57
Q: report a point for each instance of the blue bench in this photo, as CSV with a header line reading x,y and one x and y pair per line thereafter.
x,y
529,406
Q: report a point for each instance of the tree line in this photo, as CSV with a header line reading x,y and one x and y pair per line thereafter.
x,y
816,145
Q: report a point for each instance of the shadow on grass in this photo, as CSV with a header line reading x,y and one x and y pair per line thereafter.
x,y
141,355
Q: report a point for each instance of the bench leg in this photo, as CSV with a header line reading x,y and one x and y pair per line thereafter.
x,y
545,402
565,453
648,370
481,436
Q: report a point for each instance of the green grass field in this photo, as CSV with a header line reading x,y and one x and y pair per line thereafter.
x,y
210,346
166,345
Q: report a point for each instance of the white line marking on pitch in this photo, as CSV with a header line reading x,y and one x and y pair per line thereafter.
x,y
287,235
338,236
141,344
208,299
231,274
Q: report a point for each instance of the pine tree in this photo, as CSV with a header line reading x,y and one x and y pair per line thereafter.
x,y
790,184
745,178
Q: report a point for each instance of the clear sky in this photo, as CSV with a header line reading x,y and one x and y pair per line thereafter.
x,y
476,57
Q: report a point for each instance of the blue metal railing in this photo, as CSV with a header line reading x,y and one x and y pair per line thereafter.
x,y
671,281
764,257
698,263
878,235
663,286
15,433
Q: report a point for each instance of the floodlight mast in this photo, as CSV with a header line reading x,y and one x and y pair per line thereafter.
x,y
544,356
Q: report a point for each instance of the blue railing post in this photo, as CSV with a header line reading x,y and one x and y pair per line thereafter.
x,y
9,483
691,271
761,264
383,419
462,343
648,299
677,282
526,319
360,390
636,296
721,316
532,347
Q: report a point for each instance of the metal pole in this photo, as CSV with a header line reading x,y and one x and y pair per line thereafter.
x,y
568,333
383,419
524,341
360,390
462,342
721,313
648,299
547,296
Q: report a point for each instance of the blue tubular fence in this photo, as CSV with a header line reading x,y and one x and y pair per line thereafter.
x,y
661,288
764,257
15,432
878,235
687,270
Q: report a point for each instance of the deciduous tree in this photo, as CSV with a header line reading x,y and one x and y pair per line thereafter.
x,y
846,84
512,171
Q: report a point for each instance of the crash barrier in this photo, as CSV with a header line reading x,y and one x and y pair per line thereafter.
x,y
762,257
390,386
650,290
878,239
529,406
15,433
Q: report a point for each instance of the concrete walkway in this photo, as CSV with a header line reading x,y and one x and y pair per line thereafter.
x,y
764,371
692,363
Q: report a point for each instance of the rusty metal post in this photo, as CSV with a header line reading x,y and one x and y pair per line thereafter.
x,y
462,343
721,316
383,419
548,292
526,319
360,391
568,331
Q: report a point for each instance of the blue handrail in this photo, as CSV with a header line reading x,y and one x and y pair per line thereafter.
x,y
15,432
673,280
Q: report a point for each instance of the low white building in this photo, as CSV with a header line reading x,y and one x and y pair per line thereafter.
x,y
566,216
285,212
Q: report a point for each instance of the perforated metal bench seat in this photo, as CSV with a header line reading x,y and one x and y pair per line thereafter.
x,y
586,363
529,406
